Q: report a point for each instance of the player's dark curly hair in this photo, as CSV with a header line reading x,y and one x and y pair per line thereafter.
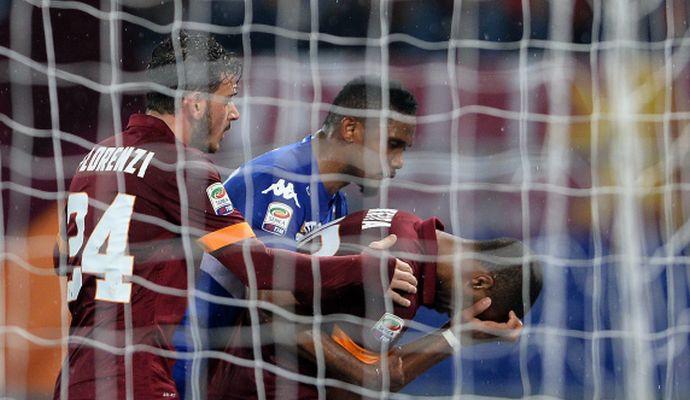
x,y
203,65
503,259
365,93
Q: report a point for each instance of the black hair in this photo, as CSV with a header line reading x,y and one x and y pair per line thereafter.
x,y
503,259
205,65
365,93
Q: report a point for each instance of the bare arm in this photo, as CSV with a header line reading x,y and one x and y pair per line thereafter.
x,y
405,363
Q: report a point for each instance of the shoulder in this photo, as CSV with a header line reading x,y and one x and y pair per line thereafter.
x,y
262,169
197,162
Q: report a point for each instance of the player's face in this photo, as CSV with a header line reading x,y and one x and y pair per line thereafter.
x,y
220,113
383,160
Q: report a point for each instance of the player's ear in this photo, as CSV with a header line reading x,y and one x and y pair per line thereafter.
x,y
194,105
349,130
482,281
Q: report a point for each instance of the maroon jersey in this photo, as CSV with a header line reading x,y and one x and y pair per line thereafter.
x,y
416,245
137,204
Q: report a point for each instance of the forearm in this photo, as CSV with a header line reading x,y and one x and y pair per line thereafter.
x,y
268,264
339,363
422,354
414,359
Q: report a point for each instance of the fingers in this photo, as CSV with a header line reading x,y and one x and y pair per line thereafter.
x,y
384,243
398,299
404,273
515,326
403,280
398,284
403,266
475,309
509,330
513,321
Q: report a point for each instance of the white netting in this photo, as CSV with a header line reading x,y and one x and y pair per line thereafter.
x,y
563,124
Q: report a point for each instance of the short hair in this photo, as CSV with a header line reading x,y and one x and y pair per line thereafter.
x,y
502,257
365,93
205,65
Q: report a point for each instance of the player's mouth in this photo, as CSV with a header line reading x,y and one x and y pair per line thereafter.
x,y
226,130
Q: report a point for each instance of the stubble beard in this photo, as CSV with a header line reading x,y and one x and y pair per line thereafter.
x,y
201,135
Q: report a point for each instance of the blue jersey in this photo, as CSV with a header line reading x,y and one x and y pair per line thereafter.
x,y
281,196
274,193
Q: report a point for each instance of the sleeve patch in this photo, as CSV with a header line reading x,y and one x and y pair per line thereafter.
x,y
388,327
277,218
219,199
226,236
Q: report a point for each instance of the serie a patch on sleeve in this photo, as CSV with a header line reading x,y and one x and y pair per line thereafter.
x,y
388,327
277,218
219,199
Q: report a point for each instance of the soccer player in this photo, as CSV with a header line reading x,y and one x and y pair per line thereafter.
x,y
135,205
297,188
488,286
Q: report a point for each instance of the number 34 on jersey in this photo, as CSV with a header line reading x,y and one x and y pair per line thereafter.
x,y
113,265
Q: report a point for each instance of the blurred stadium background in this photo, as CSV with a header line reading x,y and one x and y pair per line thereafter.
x,y
563,123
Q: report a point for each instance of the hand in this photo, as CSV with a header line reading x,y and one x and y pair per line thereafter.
x,y
403,276
489,330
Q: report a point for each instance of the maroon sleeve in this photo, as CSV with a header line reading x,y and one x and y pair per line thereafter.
x,y
426,231
418,238
274,267
209,207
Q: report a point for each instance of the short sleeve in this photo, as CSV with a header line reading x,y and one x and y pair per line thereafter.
x,y
211,215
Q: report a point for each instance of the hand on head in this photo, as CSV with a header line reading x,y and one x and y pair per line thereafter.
x,y
403,277
475,329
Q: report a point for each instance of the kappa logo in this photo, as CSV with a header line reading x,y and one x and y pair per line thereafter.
x,y
284,190
277,219
388,327
219,199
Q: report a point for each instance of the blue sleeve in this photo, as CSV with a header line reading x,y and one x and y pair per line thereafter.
x,y
272,208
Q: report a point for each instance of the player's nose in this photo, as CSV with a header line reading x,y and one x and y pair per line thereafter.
x,y
233,112
396,161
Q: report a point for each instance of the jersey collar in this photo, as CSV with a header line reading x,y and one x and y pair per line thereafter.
x,y
147,121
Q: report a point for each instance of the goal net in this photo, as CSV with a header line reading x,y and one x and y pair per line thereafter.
x,y
560,123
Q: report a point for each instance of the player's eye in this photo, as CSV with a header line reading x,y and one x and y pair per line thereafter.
x,y
397,144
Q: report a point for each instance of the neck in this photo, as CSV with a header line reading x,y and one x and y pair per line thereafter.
x,y
172,122
329,159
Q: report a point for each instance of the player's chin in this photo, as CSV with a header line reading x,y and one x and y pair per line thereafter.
x,y
213,147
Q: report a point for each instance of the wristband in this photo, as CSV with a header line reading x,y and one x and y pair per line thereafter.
x,y
453,341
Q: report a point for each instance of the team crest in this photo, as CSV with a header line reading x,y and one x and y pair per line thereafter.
x,y
388,327
277,219
219,199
